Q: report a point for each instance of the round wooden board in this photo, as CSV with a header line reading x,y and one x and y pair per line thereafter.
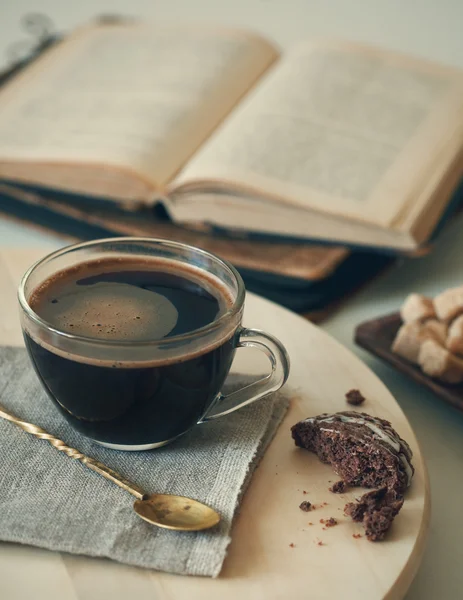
x,y
274,551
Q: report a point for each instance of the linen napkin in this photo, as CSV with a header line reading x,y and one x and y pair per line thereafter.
x,y
50,500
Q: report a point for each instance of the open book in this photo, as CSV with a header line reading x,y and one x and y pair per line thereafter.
x,y
332,141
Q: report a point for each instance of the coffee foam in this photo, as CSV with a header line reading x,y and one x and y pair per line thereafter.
x,y
105,312
113,311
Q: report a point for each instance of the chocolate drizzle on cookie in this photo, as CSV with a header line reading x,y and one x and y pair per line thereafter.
x,y
382,431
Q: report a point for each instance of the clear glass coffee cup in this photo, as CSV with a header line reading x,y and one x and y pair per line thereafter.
x,y
142,394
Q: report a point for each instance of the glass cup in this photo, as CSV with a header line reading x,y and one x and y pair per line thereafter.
x,y
138,395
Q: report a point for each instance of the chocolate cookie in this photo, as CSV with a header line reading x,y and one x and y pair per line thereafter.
x,y
364,451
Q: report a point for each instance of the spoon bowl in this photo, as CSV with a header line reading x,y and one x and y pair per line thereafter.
x,y
176,512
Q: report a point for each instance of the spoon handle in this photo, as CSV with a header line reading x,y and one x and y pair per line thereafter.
x,y
91,463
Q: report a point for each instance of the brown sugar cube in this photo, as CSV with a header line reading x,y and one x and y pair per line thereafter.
x,y
455,336
410,336
408,341
449,304
417,308
438,362
437,330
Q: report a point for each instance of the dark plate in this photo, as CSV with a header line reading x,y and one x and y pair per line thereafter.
x,y
377,336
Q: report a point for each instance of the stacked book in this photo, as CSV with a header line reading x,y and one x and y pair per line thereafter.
x,y
310,170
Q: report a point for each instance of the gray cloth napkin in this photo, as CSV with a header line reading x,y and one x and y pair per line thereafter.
x,y
50,500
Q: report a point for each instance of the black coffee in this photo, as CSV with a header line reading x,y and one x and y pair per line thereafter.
x,y
127,403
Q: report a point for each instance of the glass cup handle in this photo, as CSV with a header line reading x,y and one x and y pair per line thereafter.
x,y
279,362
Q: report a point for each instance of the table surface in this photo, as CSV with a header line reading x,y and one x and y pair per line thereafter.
x,y
433,30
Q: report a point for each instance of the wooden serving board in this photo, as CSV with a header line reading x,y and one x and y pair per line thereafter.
x,y
377,336
274,553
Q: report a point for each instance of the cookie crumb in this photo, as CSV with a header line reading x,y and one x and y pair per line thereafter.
x,y
292,545
325,503
322,520
304,492
356,536
339,487
355,397
305,506
331,522
319,543
310,523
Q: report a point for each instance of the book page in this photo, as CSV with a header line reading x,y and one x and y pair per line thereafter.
x,y
135,96
341,128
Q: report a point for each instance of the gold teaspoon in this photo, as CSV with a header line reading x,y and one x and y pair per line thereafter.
x,y
163,510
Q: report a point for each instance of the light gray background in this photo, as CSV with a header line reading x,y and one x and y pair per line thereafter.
x,y
430,28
